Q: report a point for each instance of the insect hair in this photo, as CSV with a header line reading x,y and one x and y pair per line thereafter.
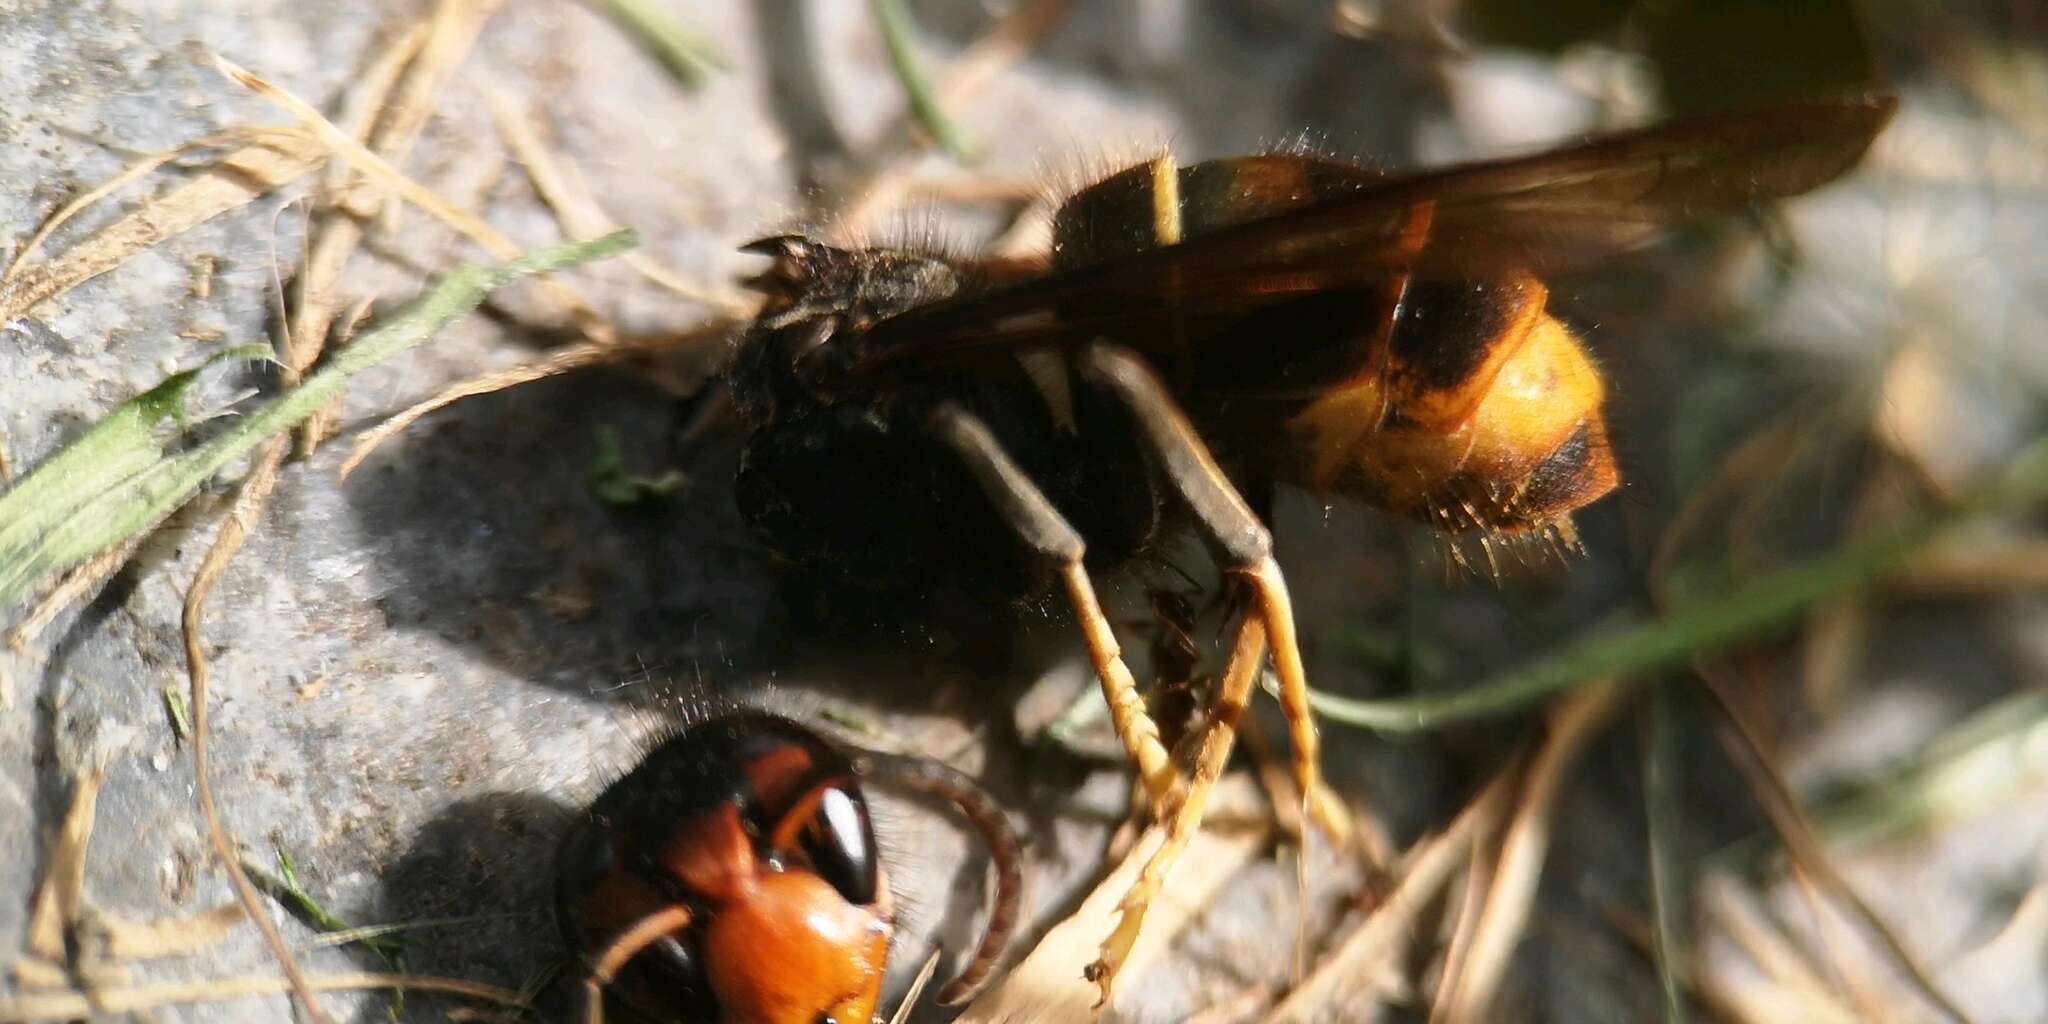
x,y
919,227
1061,178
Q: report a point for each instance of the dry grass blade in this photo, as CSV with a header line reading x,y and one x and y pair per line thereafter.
x,y
367,106
182,936
1512,894
380,171
1473,890
139,169
34,972
1834,631
240,178
561,187
916,990
369,164
573,358
141,998
134,482
1805,994
1767,456
1425,870
426,55
1739,737
1048,985
451,34
1830,650
123,476
455,295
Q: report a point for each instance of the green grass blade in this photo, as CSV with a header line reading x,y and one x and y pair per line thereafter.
x,y
1660,803
1749,612
126,441
689,57
116,481
894,20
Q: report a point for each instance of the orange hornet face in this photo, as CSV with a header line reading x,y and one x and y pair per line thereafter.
x,y
753,833
795,952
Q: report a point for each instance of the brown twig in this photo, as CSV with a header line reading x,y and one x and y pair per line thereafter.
x,y
232,531
62,894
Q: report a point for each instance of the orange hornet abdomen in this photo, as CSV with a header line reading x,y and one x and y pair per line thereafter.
x,y
1484,413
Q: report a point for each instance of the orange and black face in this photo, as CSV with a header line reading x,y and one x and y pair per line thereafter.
x,y
758,829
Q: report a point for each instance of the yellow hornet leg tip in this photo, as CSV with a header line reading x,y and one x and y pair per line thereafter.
x,y
1322,805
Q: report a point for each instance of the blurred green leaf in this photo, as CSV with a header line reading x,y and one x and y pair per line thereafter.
x,y
1661,802
47,521
614,484
894,20
125,474
689,57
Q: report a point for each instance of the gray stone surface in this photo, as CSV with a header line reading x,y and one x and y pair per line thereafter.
x,y
418,670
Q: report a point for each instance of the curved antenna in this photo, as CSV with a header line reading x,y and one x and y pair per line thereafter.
x,y
1005,853
627,945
